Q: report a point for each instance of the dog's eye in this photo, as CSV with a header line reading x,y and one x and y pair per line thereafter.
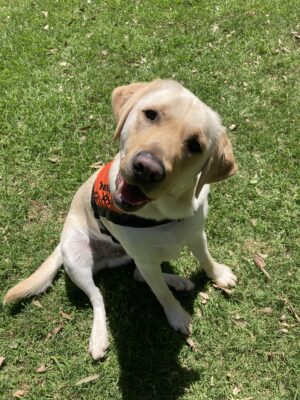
x,y
193,145
150,114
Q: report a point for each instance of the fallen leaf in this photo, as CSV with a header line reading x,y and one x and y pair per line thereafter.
x,y
104,53
87,379
2,361
19,393
191,343
37,303
292,310
57,329
253,222
54,331
287,325
41,369
232,127
54,159
239,322
296,35
236,390
46,27
96,165
282,50
267,310
262,255
13,345
230,34
260,263
199,313
45,13
283,330
227,291
215,28
204,297
65,315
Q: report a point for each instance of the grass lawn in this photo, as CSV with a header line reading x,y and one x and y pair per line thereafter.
x,y
59,62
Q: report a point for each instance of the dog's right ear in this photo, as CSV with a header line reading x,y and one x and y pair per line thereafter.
x,y
124,98
221,164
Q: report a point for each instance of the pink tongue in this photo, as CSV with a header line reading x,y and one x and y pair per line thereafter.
x,y
131,193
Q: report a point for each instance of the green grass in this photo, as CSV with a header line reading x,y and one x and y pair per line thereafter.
x,y
57,73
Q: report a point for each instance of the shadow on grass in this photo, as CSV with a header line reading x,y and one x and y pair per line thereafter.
x,y
146,345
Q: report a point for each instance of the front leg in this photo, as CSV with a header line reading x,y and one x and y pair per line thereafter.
x,y
219,273
178,318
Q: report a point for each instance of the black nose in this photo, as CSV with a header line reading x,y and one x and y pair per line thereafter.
x,y
147,168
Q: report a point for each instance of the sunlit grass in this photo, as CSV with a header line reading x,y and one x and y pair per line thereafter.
x,y
59,64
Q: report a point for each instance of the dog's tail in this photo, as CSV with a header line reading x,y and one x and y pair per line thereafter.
x,y
39,281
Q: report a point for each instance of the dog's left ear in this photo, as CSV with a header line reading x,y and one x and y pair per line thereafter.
x,y
125,97
221,164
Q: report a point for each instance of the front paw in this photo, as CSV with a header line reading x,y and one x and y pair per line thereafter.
x,y
179,319
223,276
98,345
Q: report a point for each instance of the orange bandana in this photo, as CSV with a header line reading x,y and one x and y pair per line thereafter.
x,y
101,191
103,206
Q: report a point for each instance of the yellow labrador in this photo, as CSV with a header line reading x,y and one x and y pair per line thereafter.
x,y
153,202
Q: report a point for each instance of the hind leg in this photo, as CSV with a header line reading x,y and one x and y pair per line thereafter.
x,y
78,261
107,254
178,283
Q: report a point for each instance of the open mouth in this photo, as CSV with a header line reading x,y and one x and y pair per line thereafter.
x,y
128,197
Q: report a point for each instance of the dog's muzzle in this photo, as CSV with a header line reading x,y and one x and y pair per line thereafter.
x,y
147,169
145,172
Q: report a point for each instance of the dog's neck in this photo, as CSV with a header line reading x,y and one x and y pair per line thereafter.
x,y
177,204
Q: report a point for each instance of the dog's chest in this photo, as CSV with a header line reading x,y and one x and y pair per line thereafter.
x,y
161,243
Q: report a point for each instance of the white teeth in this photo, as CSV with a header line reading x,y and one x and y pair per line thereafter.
x,y
120,184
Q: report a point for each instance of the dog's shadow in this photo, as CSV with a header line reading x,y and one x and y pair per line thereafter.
x,y
147,347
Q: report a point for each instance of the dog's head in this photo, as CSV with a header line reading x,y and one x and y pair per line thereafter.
x,y
167,137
